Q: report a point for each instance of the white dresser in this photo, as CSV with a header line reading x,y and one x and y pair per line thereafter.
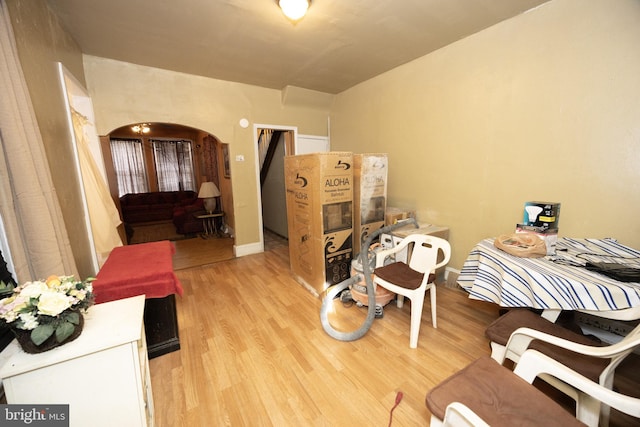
x,y
103,375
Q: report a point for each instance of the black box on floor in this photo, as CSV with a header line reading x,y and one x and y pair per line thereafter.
x,y
161,326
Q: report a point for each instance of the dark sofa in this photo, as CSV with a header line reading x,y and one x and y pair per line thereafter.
x,y
184,217
154,206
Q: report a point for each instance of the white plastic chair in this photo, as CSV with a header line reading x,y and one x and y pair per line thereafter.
x,y
611,356
534,364
459,415
414,278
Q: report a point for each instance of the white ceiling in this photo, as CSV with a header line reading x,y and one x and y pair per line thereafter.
x,y
339,44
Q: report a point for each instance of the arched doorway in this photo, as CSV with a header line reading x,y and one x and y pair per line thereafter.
x,y
198,155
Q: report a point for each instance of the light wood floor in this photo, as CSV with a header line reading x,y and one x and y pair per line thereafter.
x,y
253,353
198,251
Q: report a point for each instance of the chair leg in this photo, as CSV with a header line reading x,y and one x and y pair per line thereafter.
x,y
588,410
416,318
605,410
434,321
399,301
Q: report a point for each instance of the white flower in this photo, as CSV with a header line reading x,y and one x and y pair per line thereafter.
x,y
9,316
66,286
78,295
34,289
53,303
10,307
29,321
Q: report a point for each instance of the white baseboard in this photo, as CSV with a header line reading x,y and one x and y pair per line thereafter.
x,y
249,249
451,277
448,270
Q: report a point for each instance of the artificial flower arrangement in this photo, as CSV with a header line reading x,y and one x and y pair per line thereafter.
x,y
48,311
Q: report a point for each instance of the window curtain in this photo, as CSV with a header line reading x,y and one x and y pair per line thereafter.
x,y
174,165
128,163
34,227
209,159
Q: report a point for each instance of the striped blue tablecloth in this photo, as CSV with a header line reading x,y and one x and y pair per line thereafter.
x,y
553,282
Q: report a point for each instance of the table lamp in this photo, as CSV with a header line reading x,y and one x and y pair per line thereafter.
x,y
209,191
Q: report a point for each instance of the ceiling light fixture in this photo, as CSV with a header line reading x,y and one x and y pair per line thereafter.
x,y
141,128
294,9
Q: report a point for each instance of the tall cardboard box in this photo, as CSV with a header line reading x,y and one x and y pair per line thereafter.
x,y
319,191
370,171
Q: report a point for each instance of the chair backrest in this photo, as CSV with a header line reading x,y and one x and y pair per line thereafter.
x,y
533,363
521,338
425,252
459,415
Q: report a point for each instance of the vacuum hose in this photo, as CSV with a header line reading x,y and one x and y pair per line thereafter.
x,y
371,297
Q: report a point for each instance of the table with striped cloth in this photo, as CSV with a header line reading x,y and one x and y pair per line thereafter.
x,y
555,282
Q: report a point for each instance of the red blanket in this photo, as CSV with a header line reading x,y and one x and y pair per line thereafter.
x,y
142,269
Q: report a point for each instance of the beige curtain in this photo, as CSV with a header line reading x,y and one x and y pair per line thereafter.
x,y
29,207
103,213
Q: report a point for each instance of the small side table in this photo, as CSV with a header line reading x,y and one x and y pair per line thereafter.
x,y
210,223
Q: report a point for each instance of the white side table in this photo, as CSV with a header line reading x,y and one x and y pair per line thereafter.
x,y
209,222
103,375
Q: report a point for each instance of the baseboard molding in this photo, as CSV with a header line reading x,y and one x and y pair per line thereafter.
x,y
249,249
451,277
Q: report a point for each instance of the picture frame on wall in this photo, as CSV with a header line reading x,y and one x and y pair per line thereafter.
x,y
225,161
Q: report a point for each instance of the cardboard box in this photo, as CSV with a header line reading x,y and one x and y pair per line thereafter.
x,y
369,195
541,214
319,193
393,215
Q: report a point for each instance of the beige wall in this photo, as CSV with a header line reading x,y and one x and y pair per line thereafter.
x,y
124,93
42,42
545,106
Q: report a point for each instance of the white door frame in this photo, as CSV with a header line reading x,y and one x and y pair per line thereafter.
x,y
257,126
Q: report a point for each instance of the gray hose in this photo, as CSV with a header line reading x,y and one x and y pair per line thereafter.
x,y
371,297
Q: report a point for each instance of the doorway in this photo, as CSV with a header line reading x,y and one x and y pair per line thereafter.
x,y
286,141
205,151
272,145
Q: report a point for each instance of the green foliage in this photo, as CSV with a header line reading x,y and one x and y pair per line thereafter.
x,y
73,317
64,331
41,333
63,325
6,288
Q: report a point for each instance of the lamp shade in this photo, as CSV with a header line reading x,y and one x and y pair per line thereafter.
x,y
207,190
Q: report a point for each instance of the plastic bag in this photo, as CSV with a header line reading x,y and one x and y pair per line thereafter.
x,y
619,272
525,245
